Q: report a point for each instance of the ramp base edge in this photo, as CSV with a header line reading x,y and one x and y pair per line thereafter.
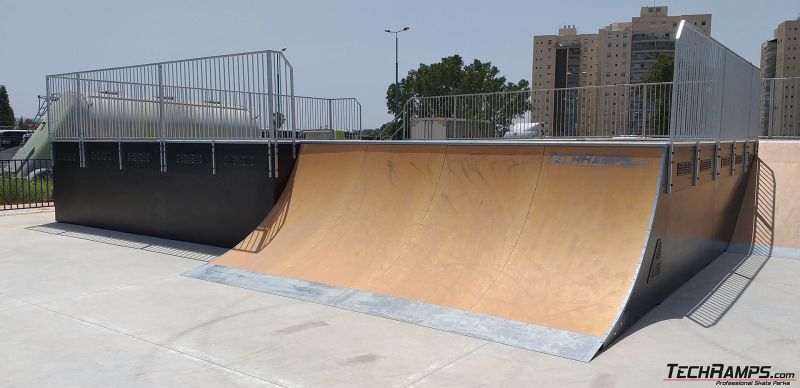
x,y
562,343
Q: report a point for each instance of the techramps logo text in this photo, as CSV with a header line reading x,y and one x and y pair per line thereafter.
x,y
730,375
592,160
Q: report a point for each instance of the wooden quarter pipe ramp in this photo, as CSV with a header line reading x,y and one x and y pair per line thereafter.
x,y
533,245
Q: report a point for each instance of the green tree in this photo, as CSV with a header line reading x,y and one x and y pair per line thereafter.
x,y
7,118
662,69
660,102
451,76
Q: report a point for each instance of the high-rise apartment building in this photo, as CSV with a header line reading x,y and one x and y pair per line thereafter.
x,y
780,62
620,53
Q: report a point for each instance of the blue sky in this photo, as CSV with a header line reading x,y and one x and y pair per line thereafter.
x,y
338,48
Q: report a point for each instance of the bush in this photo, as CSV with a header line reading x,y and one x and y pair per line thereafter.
x,y
16,190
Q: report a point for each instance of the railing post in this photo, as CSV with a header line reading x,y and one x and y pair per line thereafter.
x,y
330,119
47,91
271,119
744,156
294,115
769,107
696,164
717,158
81,146
161,129
644,111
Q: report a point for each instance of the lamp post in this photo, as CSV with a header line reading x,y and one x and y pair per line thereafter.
x,y
396,70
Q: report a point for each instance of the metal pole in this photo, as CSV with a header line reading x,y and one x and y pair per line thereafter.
x,y
396,73
47,101
273,170
294,116
330,119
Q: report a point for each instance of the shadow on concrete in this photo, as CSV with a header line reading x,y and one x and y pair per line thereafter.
x,y
708,296
181,249
758,213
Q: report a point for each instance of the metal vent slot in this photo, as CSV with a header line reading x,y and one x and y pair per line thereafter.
x,y
739,159
138,157
726,161
67,157
189,158
684,168
239,160
705,164
655,264
100,156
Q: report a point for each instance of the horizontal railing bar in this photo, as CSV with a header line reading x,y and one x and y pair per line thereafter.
x,y
173,62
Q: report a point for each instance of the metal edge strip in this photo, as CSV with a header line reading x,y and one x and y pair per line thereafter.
x,y
575,346
647,237
567,143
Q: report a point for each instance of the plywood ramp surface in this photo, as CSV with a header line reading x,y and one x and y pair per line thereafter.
x,y
346,214
314,198
550,236
575,259
474,221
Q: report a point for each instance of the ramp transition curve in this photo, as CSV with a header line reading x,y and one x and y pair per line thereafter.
x,y
535,246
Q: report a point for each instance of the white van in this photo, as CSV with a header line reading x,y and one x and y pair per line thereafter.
x,y
525,131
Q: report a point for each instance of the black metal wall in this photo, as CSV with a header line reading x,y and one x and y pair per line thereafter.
x,y
199,200
692,225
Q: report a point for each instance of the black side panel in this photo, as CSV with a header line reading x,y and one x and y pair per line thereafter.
x,y
210,200
693,225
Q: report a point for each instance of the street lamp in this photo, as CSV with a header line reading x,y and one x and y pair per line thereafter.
x,y
396,71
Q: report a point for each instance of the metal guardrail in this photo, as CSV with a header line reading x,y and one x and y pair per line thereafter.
x,y
25,184
245,96
327,118
716,93
226,96
593,111
780,107
714,96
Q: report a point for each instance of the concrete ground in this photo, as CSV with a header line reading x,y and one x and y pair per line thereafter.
x,y
85,307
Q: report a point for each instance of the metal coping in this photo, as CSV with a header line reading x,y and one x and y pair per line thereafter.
x,y
536,142
562,343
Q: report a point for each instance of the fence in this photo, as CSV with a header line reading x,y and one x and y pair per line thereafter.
x,y
714,96
25,184
227,96
716,91
780,107
593,111
246,96
327,118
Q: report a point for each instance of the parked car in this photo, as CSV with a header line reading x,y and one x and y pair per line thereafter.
x,y
12,137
